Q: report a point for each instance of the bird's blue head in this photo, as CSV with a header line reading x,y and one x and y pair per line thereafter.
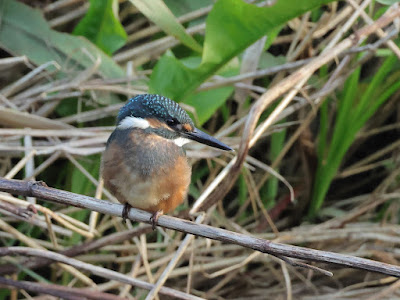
x,y
158,107
164,117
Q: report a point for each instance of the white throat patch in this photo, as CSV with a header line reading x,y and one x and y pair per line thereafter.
x,y
133,122
181,141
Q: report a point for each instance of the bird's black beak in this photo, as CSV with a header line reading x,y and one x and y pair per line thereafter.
x,y
202,137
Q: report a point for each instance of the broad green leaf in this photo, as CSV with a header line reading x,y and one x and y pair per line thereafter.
x,y
272,36
205,103
168,74
388,2
80,184
267,60
231,26
101,26
24,31
181,7
159,13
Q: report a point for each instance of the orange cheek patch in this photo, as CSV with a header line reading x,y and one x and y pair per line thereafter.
x,y
187,127
154,123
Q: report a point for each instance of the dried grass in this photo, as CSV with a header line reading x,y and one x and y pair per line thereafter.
x,y
33,141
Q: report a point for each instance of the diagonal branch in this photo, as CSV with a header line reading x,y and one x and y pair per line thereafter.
x,y
40,190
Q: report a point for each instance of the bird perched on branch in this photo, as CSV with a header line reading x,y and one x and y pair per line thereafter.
x,y
144,164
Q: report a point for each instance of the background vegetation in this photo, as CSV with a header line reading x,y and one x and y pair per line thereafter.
x,y
324,175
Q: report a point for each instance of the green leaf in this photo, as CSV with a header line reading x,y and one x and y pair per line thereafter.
x,y
243,190
159,13
277,143
231,26
181,7
80,184
353,112
387,2
272,35
267,60
101,26
24,31
167,75
204,103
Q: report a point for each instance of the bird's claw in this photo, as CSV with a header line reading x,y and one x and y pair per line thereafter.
x,y
154,218
125,212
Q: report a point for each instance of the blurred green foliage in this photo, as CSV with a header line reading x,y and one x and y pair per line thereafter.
x,y
160,14
24,31
231,27
101,26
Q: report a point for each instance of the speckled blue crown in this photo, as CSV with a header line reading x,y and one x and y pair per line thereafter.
x,y
154,106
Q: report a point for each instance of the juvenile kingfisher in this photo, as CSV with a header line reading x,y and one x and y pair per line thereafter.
x,y
144,164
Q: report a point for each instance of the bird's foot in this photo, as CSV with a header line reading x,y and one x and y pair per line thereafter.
x,y
154,218
125,212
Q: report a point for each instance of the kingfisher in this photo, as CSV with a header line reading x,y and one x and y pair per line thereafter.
x,y
144,164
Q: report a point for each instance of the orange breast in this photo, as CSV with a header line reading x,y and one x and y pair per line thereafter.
x,y
176,184
146,171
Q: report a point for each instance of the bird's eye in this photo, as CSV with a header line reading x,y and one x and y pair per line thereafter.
x,y
174,123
